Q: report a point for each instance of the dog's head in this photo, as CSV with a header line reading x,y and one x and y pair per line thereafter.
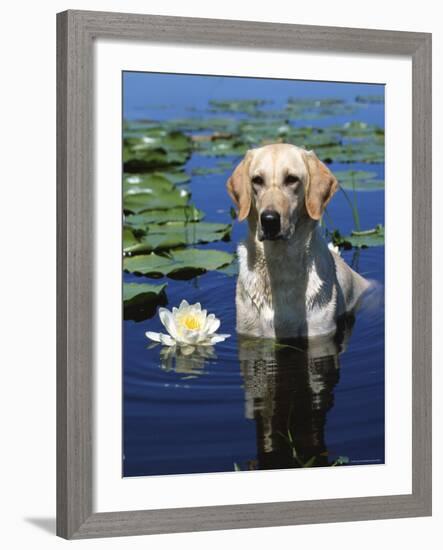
x,y
279,184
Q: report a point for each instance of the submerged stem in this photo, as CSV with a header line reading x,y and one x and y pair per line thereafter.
x,y
354,209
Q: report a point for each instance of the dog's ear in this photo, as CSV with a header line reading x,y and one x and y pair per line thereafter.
x,y
239,187
320,187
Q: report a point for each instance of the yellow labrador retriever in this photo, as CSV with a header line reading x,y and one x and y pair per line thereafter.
x,y
290,283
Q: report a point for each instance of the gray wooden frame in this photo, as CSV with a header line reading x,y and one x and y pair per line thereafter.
x,y
76,32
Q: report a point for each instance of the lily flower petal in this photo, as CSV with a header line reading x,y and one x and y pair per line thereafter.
x,y
159,337
190,336
167,340
154,336
218,338
168,321
212,323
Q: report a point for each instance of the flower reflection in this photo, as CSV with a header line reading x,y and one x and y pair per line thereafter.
x,y
186,359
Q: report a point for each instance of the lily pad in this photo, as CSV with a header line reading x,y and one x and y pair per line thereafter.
x,y
369,153
180,264
208,170
222,147
237,105
129,239
231,270
360,239
352,142
228,124
345,175
324,139
154,138
309,103
315,108
146,183
148,200
144,161
176,234
133,291
184,214
356,128
175,177
136,125
141,300
155,148
360,180
370,98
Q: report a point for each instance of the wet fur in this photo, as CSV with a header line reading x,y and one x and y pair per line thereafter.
x,y
294,287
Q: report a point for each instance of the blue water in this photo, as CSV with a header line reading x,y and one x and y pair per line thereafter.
x,y
235,409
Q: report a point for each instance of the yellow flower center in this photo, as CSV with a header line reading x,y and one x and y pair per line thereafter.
x,y
191,322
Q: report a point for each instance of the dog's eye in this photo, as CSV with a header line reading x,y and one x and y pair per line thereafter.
x,y
291,178
258,180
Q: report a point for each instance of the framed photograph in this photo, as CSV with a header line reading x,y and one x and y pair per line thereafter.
x,y
244,274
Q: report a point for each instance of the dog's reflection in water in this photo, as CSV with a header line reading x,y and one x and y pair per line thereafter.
x,y
289,389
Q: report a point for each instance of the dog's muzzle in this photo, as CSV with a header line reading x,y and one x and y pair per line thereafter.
x,y
270,224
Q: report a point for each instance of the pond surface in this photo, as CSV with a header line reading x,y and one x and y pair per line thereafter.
x,y
249,404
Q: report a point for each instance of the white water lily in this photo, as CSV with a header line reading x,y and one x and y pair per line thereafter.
x,y
188,325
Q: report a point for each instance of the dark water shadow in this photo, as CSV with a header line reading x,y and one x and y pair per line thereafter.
x,y
289,389
45,524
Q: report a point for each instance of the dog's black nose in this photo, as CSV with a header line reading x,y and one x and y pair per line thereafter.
x,y
270,222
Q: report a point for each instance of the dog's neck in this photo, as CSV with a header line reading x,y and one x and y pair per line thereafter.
x,y
299,268
299,249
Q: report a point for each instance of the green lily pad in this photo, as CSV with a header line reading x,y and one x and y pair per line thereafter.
x,y
360,239
140,202
175,177
133,291
146,183
324,139
219,168
228,124
264,128
237,105
222,147
129,239
370,153
179,214
159,242
308,103
152,265
176,234
315,108
144,161
360,180
352,153
133,125
352,142
207,170
141,300
231,270
345,175
201,230
370,98
155,148
356,128
180,264
154,138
